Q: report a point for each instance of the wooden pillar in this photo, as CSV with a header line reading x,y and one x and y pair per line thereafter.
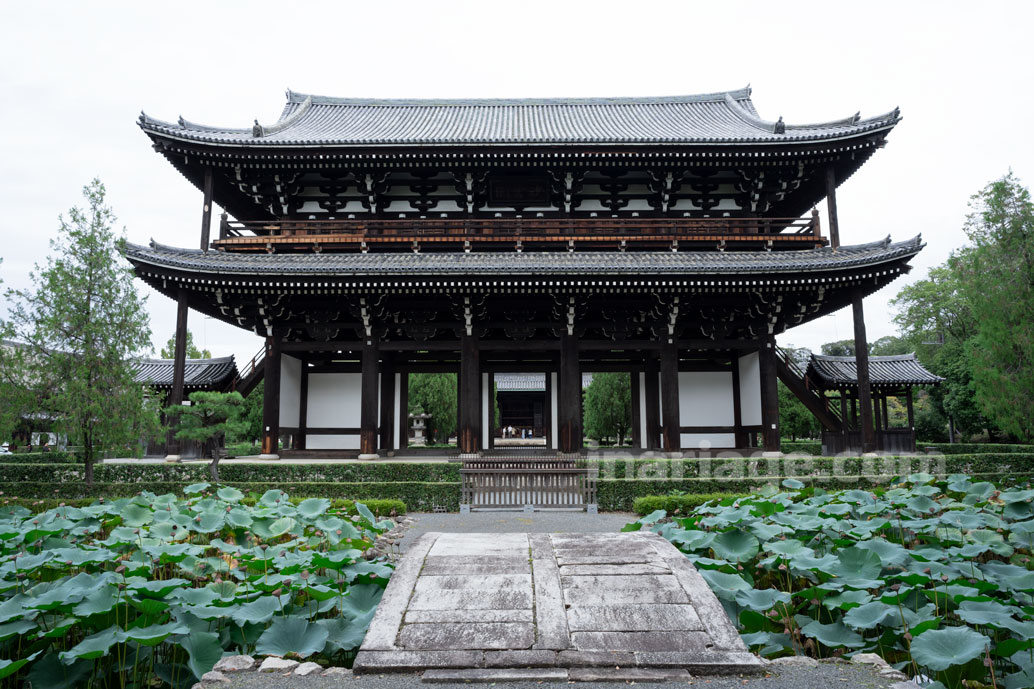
x,y
861,350
569,415
403,419
633,381
877,423
179,367
271,399
886,414
831,207
670,397
369,389
387,424
303,407
652,405
844,420
910,409
769,397
854,411
206,214
469,434
737,405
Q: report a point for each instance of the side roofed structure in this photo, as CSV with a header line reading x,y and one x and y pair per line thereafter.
x,y
669,237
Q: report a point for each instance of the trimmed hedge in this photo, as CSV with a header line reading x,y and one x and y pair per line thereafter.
x,y
381,508
673,504
814,447
54,457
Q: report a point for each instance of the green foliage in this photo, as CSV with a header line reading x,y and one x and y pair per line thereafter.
x,y
997,278
794,417
934,576
435,394
169,350
608,406
676,504
82,323
251,415
887,345
117,592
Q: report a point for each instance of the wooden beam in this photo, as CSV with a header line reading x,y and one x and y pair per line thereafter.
x,y
368,403
831,207
206,213
271,398
769,397
861,351
179,367
670,397
469,433
569,415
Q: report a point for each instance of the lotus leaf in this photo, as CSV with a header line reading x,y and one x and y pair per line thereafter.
x,y
292,636
203,651
760,600
847,600
346,634
258,611
94,646
870,615
725,585
9,667
195,488
151,635
833,635
229,494
939,649
735,545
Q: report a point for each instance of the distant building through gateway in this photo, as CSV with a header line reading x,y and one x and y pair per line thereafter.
x,y
672,238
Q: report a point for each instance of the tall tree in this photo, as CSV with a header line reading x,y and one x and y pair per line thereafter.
x,y
998,281
435,394
210,417
169,350
608,406
82,323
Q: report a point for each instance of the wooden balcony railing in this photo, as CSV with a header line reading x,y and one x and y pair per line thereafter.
x,y
497,233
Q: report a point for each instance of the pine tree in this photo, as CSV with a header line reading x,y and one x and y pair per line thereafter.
x,y
82,323
210,417
169,350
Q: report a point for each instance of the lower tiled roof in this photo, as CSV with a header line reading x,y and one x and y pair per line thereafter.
x,y
527,263
899,370
198,374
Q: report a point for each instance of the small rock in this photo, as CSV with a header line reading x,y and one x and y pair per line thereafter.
x,y
796,661
234,664
273,664
214,676
199,685
904,685
869,658
307,669
336,672
891,673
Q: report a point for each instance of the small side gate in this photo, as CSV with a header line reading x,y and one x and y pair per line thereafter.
x,y
527,484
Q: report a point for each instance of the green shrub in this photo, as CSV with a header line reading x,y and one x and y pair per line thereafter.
x,y
674,504
54,457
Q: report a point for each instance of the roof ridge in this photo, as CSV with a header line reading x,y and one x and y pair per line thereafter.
x,y
718,96
209,360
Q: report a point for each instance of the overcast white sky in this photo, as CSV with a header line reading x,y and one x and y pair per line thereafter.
x,y
74,76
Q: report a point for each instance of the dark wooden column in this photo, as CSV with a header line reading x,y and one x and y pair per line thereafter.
x,y
469,435
569,415
637,420
861,351
737,405
769,397
206,214
387,425
303,407
831,207
271,398
179,367
911,410
403,419
670,397
886,414
369,388
877,422
653,403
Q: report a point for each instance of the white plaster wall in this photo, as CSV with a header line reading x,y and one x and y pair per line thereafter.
x,y
486,414
642,409
331,442
398,410
750,390
707,441
290,390
705,398
334,401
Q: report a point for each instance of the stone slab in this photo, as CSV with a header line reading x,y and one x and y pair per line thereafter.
x,y
524,674
595,658
467,636
493,582
604,592
409,661
633,618
710,662
627,674
388,618
550,614
641,641
618,570
470,599
532,658
516,615
475,565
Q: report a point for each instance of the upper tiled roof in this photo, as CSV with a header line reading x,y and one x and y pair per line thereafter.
x,y
902,369
633,263
199,373
716,118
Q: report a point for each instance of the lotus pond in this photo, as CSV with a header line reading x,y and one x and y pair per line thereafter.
x,y
935,576
152,590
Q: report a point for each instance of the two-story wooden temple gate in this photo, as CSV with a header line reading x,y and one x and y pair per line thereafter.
x,y
673,238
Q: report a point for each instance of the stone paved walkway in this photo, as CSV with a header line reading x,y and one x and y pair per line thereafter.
x,y
462,604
